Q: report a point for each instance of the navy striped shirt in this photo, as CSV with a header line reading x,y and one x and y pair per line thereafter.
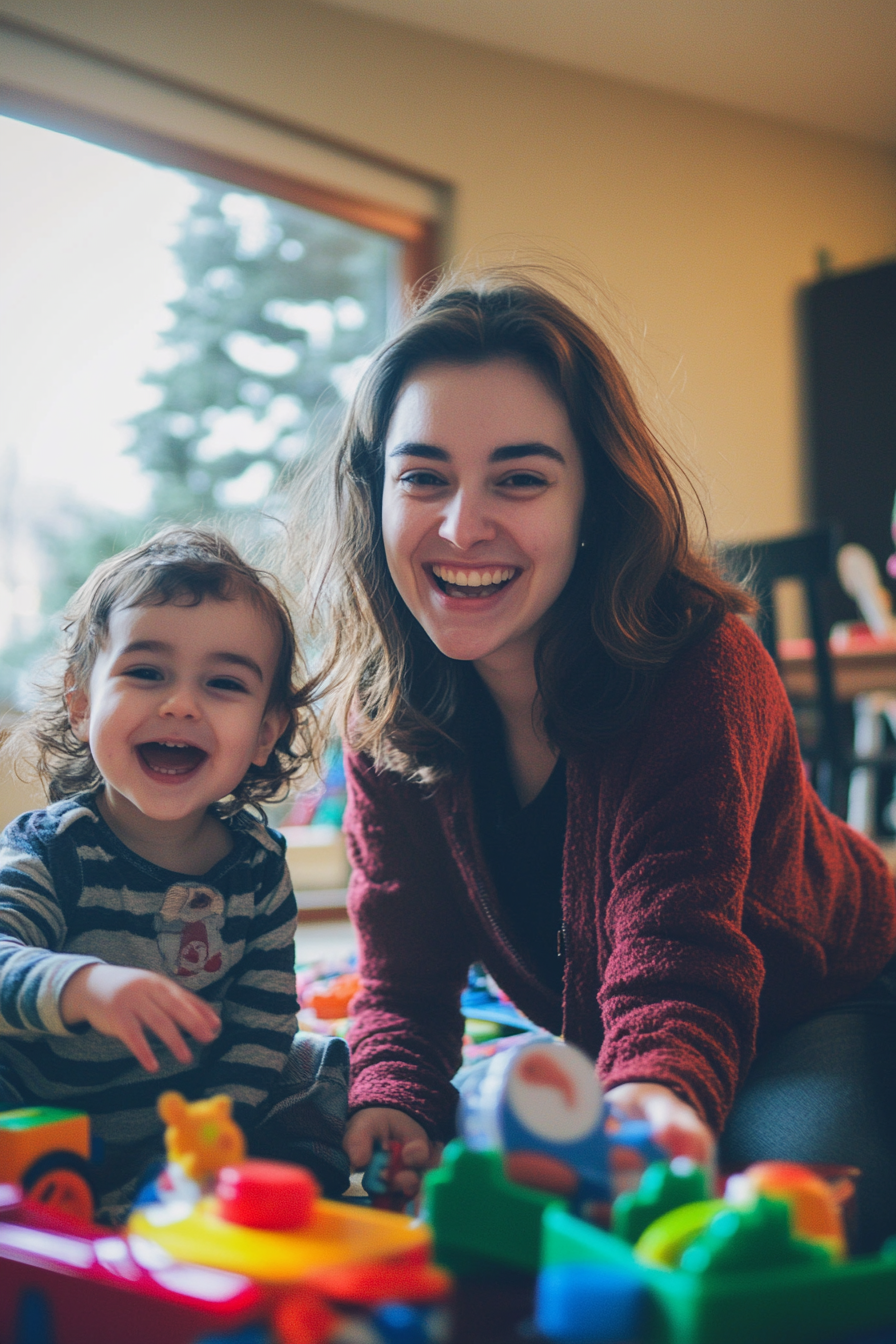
x,y
70,894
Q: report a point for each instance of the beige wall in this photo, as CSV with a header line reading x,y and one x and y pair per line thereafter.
x,y
704,220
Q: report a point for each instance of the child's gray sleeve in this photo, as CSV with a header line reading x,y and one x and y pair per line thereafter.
x,y
33,973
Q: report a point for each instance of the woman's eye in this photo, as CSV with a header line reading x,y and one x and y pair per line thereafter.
x,y
521,480
420,478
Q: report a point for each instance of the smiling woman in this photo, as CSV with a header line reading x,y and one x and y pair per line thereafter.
x,y
569,760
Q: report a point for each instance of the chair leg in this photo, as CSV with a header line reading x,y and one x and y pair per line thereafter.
x,y
869,741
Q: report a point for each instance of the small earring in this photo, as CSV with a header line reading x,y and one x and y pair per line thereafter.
x,y
581,545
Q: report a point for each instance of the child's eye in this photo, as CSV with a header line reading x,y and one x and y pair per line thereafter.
x,y
226,684
144,673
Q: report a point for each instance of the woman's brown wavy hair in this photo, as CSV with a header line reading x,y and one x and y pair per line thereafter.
x,y
639,592
182,566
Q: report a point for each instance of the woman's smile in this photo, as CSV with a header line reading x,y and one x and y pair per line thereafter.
x,y
461,582
482,503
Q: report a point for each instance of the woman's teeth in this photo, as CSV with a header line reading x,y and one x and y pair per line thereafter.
x,y
473,578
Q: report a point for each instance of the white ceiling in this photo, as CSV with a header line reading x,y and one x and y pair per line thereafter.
x,y
823,63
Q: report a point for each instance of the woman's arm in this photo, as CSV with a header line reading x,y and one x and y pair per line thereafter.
x,y
718,772
414,951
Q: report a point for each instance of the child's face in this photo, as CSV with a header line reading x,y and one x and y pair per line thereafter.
x,y
177,706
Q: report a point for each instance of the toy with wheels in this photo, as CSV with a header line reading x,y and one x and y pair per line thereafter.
x,y
48,1152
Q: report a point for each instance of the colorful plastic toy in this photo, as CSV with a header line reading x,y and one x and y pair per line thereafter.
x,y
384,1165
263,1219
718,1273
541,1106
261,1254
590,1304
200,1136
479,1218
664,1186
48,1152
63,1281
815,1211
330,999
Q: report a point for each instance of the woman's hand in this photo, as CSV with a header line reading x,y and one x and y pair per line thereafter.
x,y
387,1125
124,1002
674,1125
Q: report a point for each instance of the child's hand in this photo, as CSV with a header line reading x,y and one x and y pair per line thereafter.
x,y
386,1124
674,1125
123,1002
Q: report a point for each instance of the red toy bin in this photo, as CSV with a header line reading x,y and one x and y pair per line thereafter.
x,y
76,1283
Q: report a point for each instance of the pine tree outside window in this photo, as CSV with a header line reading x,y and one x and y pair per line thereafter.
x,y
273,312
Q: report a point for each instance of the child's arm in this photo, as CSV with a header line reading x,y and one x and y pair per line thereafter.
x,y
45,990
33,971
258,1014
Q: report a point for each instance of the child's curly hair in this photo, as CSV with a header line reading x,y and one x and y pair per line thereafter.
x,y
182,565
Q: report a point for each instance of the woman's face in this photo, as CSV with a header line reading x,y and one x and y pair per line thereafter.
x,y
482,505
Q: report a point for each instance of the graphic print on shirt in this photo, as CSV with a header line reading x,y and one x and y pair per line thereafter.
x,y
189,930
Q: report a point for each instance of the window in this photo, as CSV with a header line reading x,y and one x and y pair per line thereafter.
x,y
177,331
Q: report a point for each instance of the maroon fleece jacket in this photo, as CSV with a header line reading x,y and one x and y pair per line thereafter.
x,y
708,900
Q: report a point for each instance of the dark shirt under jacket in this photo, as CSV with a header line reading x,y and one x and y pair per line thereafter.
x,y
522,846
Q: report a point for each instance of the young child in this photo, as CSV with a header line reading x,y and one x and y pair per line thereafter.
x,y
145,905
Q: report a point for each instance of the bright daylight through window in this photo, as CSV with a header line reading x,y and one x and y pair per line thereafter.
x,y
169,340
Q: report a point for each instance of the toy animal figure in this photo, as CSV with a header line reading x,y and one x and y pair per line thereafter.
x,y
201,1136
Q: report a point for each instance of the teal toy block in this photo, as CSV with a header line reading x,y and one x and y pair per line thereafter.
x,y
805,1303
663,1187
479,1218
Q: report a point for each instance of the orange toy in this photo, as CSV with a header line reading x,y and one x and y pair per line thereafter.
x,y
332,1001
814,1211
201,1136
46,1150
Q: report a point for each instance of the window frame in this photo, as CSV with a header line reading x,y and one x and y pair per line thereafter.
x,y
418,234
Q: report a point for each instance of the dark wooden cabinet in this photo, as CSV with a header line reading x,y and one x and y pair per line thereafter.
x,y
847,326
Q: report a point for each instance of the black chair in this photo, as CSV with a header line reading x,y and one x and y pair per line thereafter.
x,y
809,557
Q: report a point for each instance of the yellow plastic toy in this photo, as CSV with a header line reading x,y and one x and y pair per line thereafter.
x,y
265,1219
336,1234
665,1240
201,1136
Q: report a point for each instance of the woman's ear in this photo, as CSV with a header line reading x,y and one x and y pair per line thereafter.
x,y
78,706
272,725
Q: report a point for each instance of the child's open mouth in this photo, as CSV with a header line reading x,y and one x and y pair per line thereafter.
x,y
171,758
473,583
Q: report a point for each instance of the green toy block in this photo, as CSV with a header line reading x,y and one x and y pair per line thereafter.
x,y
479,1218
754,1238
782,1304
35,1117
661,1190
